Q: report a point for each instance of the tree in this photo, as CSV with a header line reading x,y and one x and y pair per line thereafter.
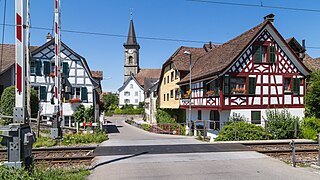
x,y
89,114
79,113
110,102
313,95
8,102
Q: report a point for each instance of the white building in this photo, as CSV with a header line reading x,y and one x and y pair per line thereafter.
x,y
131,92
151,96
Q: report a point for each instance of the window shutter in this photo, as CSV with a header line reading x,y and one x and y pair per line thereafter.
x,y
252,86
46,68
255,117
226,85
38,68
272,54
204,88
32,67
43,93
65,68
257,54
84,93
296,85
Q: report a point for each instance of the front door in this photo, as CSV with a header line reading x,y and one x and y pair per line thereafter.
x,y
214,120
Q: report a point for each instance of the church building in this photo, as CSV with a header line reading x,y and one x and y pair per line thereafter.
x,y
132,90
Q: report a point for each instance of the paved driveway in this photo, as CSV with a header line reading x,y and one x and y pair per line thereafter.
x,y
131,153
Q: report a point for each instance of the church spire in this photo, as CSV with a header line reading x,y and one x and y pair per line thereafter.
x,y
132,40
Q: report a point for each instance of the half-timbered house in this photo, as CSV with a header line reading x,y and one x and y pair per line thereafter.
x,y
86,89
247,75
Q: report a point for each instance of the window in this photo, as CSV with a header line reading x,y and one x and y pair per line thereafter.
x,y
164,97
127,101
211,89
172,75
43,93
296,85
130,59
136,101
199,115
287,85
252,85
167,96
177,75
171,94
226,85
168,79
260,54
237,85
136,93
177,94
84,94
77,92
164,82
154,94
65,69
46,68
38,67
184,91
131,86
255,117
126,93
33,67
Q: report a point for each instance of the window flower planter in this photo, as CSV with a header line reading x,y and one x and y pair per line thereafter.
x,y
238,91
52,74
74,100
211,93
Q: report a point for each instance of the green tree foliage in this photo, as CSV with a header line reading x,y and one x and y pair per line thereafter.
x,y
89,114
164,117
110,102
79,113
241,131
129,111
313,95
310,128
281,124
8,102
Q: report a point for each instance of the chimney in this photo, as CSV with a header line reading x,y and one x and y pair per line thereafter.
x,y
302,54
48,37
210,45
269,17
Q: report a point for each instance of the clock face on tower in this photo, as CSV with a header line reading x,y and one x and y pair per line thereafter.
x,y
130,50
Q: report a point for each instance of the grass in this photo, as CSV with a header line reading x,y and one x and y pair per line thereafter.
x,y
72,139
43,173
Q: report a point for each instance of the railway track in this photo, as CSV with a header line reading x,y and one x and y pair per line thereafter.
x,y
59,155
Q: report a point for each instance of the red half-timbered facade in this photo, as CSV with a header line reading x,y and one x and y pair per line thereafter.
x,y
247,75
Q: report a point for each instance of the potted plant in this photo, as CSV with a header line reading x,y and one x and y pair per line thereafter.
x,y
210,93
238,90
52,74
74,100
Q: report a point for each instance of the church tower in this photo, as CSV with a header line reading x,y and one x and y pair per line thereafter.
x,y
131,54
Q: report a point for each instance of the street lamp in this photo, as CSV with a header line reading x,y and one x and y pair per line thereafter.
x,y
190,91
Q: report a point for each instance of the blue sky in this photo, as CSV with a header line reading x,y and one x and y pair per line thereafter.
x,y
171,19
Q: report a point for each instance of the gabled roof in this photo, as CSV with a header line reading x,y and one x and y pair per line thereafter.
x,y
127,82
7,58
147,73
219,59
149,83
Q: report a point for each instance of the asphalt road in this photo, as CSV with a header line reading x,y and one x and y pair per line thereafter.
x,y
131,153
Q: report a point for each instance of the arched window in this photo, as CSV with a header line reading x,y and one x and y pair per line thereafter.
x,y
130,60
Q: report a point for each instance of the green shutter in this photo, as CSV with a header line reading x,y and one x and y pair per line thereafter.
x,y
38,68
204,88
226,85
296,85
252,86
43,93
65,68
84,93
257,54
272,54
46,68
255,117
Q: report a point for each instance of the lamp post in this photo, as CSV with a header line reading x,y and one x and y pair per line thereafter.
x,y
190,91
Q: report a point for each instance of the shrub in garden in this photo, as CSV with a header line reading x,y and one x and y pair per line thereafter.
x,y
164,117
244,131
146,127
129,111
310,128
8,103
281,124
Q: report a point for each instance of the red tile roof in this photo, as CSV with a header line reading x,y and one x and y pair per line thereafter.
x,y
221,57
97,74
147,73
311,63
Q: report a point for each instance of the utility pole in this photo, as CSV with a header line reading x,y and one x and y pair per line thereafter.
x,y
18,136
57,114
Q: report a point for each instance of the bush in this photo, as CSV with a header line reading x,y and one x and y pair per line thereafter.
x,y
42,173
8,103
129,111
281,124
312,97
244,131
310,128
146,127
164,117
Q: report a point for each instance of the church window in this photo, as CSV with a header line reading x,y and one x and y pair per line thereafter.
x,y
130,60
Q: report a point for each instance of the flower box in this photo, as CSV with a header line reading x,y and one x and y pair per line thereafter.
x,y
52,74
238,91
210,93
74,100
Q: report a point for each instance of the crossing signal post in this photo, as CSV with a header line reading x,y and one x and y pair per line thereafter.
x,y
18,136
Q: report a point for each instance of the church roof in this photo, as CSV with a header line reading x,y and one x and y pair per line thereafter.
x,y
147,73
131,40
